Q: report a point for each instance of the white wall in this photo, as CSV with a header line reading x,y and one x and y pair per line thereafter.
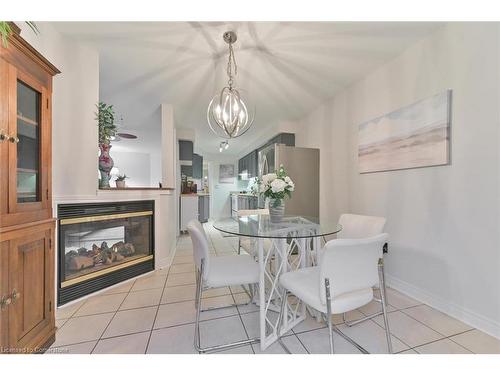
x,y
136,165
74,135
443,221
325,128
75,93
156,166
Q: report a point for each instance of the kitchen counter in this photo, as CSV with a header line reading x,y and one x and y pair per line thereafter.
x,y
195,194
242,201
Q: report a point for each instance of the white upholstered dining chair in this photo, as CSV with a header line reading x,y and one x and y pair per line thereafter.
x,y
217,272
356,227
342,282
360,226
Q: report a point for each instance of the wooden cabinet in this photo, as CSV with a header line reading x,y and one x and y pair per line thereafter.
x,y
26,224
4,295
27,273
25,134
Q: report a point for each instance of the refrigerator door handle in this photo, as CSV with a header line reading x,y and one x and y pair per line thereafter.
x,y
265,165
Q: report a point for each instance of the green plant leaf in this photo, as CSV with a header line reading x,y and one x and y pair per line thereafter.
x,y
5,31
33,27
105,117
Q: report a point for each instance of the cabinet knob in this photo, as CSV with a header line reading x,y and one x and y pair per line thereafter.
x,y
3,136
15,295
13,139
5,301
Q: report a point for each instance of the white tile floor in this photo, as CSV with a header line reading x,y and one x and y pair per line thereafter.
x,y
155,314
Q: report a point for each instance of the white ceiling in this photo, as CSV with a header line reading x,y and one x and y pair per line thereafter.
x,y
287,68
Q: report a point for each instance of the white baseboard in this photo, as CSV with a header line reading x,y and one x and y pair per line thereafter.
x,y
467,316
167,261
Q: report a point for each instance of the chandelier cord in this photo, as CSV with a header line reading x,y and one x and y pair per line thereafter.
x,y
231,60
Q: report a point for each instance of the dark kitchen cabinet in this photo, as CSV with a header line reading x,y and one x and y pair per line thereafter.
x,y
203,208
197,166
247,202
287,139
187,170
186,150
248,164
186,158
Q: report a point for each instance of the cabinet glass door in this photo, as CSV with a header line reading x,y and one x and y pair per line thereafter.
x,y
28,148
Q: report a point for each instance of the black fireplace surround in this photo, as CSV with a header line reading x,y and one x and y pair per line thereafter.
x,y
102,244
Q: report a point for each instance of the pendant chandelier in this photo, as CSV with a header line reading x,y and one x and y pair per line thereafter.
x,y
228,115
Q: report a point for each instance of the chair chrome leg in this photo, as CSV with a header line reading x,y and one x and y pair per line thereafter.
x,y
381,276
197,338
199,288
348,339
251,292
239,245
329,314
351,323
280,321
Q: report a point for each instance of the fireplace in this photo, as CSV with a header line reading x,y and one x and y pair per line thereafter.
x,y
101,244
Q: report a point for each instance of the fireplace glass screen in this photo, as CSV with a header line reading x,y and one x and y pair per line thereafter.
x,y
101,244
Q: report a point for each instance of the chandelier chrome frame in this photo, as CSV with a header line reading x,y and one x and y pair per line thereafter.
x,y
228,116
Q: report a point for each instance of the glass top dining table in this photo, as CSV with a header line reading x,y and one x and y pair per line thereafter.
x,y
291,226
288,245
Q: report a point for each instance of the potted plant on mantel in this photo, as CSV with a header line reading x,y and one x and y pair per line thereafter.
x,y
120,181
276,187
105,117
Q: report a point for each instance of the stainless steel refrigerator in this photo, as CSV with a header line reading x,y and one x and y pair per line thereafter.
x,y
302,165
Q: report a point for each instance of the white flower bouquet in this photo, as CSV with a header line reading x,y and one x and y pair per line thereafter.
x,y
275,186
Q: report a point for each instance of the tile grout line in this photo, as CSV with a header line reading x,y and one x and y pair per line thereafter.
x,y
239,313
116,312
434,341
237,309
243,324
159,304
444,336
72,316
392,333
426,343
457,334
110,337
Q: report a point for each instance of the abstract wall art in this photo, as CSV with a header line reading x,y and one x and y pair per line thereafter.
x,y
414,136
